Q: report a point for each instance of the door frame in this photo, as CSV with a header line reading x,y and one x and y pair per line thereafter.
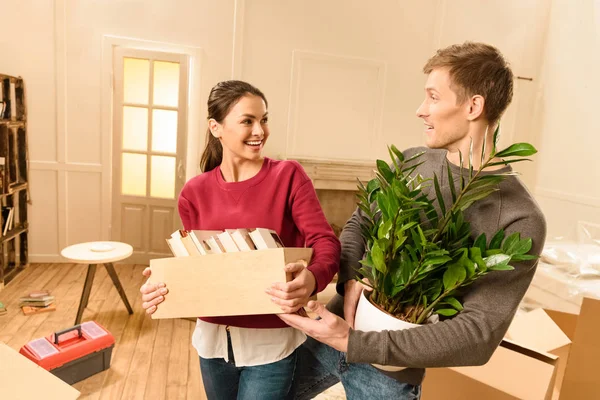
x,y
196,113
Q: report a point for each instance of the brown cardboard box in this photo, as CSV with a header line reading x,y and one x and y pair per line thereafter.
x,y
513,372
523,370
21,378
222,284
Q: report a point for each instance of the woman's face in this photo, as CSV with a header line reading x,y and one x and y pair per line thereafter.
x,y
244,131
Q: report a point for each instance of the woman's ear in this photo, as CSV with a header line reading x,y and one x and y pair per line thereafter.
x,y
215,128
476,105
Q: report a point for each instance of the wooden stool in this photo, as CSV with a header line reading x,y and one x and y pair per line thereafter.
x,y
93,253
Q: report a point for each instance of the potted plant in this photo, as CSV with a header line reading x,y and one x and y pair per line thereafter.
x,y
419,252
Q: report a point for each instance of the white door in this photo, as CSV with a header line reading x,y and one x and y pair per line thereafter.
x,y
149,135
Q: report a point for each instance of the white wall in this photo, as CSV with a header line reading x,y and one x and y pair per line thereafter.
x,y
343,78
568,164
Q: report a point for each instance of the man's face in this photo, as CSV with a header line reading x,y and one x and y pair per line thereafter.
x,y
446,123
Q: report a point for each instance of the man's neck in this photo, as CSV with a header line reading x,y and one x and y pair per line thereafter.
x,y
474,141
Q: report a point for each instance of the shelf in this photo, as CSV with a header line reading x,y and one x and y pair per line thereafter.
x,y
14,188
13,233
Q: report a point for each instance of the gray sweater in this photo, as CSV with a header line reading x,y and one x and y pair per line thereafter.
x,y
471,337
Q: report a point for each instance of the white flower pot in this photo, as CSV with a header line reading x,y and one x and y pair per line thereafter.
x,y
370,318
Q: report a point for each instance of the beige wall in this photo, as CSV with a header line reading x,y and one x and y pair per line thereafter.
x,y
568,167
343,78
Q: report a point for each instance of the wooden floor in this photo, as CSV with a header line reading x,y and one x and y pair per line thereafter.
x,y
152,359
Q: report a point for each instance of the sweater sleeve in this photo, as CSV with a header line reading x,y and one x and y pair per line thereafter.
x,y
353,249
187,213
311,222
472,336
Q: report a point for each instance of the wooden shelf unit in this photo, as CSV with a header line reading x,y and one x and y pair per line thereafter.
x,y
14,178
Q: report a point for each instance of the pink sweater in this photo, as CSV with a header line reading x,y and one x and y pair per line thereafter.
x,y
280,197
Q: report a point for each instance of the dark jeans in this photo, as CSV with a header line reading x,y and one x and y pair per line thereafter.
x,y
224,381
320,367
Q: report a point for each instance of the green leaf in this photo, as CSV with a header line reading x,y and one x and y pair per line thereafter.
x,y
446,312
451,181
438,193
384,229
415,156
502,267
394,161
455,274
496,259
523,257
517,149
496,136
481,242
385,171
378,258
398,153
520,247
506,162
453,302
510,243
496,241
436,260
475,255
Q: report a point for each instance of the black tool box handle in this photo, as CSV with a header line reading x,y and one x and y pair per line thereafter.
x,y
57,334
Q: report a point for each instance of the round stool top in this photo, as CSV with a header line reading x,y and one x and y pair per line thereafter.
x,y
97,252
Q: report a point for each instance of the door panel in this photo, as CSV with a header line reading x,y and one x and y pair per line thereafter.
x,y
149,136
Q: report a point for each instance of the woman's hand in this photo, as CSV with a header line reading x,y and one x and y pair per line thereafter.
x,y
295,294
152,294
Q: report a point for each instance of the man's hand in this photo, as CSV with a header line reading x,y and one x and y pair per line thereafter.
x,y
330,329
152,294
352,291
294,295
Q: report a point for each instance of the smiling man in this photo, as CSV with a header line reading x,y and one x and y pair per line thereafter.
x,y
468,88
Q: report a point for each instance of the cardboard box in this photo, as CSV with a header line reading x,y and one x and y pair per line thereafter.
x,y
513,372
222,284
22,379
546,355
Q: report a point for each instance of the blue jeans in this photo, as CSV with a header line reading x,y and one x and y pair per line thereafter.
x,y
223,380
321,366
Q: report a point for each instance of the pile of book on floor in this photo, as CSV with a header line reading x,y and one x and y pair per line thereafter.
x,y
37,302
199,242
2,308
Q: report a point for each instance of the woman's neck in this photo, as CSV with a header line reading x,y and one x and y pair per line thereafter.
x,y
234,169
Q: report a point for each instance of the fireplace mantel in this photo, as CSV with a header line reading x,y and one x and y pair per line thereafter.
x,y
336,174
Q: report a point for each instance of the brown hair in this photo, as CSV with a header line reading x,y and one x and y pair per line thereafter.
x,y
477,69
223,96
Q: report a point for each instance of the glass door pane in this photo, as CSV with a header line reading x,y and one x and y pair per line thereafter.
x,y
166,84
136,80
162,178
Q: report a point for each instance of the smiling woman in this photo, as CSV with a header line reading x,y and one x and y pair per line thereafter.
x,y
253,356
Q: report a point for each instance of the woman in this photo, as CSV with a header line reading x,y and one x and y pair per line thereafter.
x,y
249,357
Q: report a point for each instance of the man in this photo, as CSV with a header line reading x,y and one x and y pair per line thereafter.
x,y
468,88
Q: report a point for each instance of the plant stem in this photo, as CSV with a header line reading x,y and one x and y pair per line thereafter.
x,y
448,215
433,304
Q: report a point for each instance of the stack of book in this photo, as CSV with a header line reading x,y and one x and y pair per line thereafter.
x,y
2,309
195,243
37,302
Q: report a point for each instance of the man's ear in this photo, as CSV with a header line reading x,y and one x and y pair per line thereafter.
x,y
476,104
215,128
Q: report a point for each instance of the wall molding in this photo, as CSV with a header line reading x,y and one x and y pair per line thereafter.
x,y
568,197
60,44
239,14
302,56
336,174
59,166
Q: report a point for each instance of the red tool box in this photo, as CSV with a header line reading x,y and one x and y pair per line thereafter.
x,y
73,354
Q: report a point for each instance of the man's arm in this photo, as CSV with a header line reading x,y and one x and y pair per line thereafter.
x,y
472,336
353,249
